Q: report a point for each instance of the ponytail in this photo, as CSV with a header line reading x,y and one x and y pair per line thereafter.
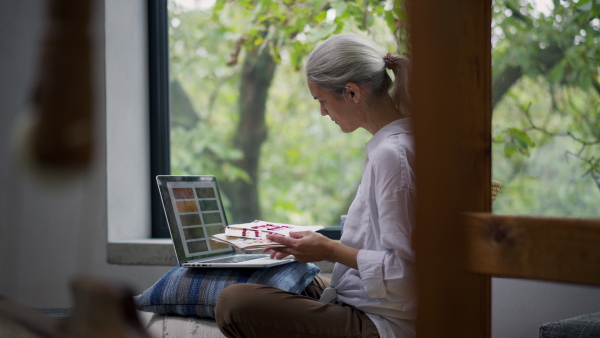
x,y
400,92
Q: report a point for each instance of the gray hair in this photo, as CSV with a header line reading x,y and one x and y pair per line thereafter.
x,y
344,58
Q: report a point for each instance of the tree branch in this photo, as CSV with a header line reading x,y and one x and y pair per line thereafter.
x,y
549,133
592,162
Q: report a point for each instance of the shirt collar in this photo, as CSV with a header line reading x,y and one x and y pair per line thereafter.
x,y
401,126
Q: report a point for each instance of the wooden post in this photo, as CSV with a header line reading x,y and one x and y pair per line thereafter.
x,y
452,96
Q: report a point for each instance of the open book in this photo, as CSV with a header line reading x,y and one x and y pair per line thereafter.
x,y
253,236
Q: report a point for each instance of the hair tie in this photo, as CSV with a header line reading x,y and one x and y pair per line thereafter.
x,y
389,61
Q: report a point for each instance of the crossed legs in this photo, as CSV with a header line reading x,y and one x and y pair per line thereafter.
x,y
251,310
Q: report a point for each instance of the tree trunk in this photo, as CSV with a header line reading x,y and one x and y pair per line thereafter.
x,y
183,113
257,74
545,59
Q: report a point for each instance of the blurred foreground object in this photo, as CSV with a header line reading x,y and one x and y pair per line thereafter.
x,y
19,321
101,310
61,132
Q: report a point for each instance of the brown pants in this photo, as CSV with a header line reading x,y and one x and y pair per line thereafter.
x,y
251,310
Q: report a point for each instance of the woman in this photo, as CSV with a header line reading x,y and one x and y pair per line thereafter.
x,y
372,290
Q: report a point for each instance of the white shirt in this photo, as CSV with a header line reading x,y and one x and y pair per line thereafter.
x,y
380,223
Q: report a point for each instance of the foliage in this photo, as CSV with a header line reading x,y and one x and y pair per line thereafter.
x,y
294,27
547,125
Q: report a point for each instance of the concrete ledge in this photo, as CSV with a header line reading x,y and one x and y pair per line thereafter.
x,y
141,252
158,252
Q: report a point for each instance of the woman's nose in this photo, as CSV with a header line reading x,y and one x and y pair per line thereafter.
x,y
324,112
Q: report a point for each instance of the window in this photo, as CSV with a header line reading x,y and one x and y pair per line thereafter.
x,y
546,97
239,107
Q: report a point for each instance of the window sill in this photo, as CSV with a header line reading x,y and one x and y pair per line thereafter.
x,y
141,252
157,252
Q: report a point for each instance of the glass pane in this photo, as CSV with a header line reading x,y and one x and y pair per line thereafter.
x,y
546,117
303,169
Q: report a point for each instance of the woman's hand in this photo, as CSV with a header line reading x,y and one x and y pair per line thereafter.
x,y
309,246
306,246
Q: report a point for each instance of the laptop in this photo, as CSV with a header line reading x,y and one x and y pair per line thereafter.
x,y
194,213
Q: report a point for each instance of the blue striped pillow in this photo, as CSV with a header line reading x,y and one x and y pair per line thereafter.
x,y
194,292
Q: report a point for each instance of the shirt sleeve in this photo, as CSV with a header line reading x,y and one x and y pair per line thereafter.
x,y
388,270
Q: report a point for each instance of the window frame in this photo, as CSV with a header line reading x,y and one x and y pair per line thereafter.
x,y
159,108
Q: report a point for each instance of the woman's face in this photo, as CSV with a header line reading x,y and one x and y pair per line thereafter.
x,y
341,110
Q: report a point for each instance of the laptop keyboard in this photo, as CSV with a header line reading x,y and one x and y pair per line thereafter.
x,y
235,259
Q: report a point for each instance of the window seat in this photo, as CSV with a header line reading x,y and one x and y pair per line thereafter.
x,y
160,326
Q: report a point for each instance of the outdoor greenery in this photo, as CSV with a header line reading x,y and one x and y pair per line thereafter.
x,y
241,110
546,96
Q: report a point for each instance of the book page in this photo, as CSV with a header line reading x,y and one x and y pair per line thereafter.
x,y
253,235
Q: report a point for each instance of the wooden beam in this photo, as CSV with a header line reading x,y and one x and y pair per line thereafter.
x,y
556,249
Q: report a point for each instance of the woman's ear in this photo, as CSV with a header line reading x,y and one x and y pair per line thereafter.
x,y
353,92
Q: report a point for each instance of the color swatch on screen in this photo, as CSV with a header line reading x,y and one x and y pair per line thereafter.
x,y
199,215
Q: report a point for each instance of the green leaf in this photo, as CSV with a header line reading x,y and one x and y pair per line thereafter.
x,y
557,73
509,150
219,4
322,31
400,13
586,81
275,52
340,8
340,26
521,136
321,16
522,147
390,20
370,20
585,5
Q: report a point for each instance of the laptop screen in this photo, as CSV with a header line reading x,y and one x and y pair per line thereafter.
x,y
194,213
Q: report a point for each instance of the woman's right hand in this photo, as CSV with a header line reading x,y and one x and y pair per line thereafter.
x,y
306,246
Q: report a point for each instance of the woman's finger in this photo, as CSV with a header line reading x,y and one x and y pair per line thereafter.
x,y
287,241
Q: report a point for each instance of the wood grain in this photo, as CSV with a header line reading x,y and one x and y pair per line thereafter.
x,y
556,249
452,111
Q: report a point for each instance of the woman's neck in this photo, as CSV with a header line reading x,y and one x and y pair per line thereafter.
x,y
382,111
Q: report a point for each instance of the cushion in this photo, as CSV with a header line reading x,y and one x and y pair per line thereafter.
x,y
166,326
194,292
581,326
